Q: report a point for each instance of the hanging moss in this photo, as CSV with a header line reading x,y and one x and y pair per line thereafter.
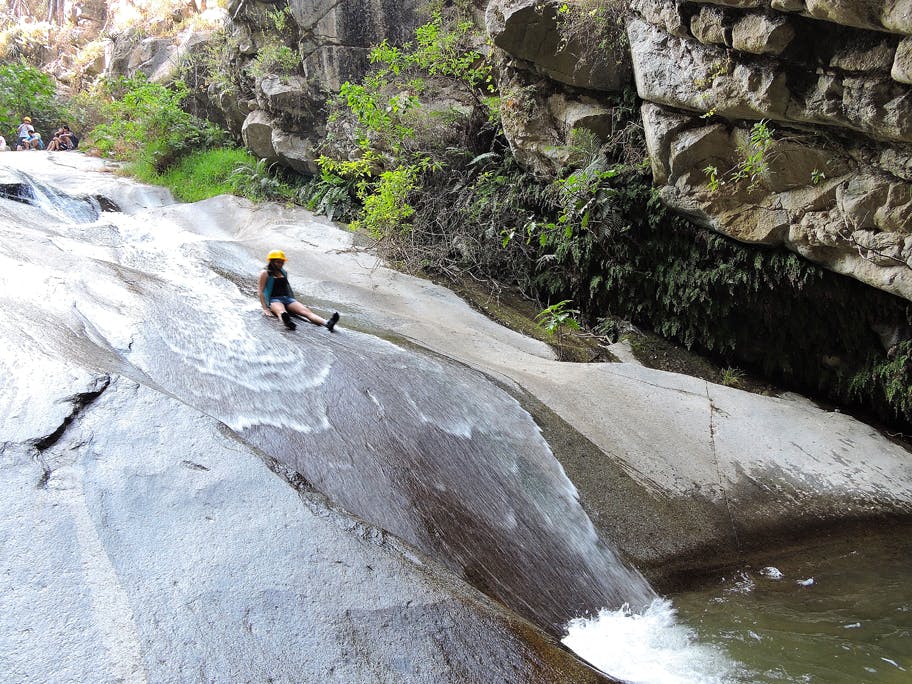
x,y
761,309
764,309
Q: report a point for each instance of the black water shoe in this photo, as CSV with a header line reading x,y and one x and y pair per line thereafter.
x,y
331,323
286,319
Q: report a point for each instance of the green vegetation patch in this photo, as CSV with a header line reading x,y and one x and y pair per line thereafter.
x,y
199,175
27,91
144,122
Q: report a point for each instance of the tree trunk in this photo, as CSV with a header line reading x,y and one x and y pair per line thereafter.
x,y
19,9
55,12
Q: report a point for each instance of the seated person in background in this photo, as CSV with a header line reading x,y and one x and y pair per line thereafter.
x,y
71,139
61,140
35,141
55,142
64,139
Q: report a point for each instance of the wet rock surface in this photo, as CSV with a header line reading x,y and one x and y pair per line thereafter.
x,y
172,407
179,551
195,561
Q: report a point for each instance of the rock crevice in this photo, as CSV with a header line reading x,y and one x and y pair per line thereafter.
x,y
79,402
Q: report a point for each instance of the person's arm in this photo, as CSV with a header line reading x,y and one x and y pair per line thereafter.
x,y
262,286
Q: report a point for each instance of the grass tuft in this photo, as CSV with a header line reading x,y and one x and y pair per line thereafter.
x,y
199,175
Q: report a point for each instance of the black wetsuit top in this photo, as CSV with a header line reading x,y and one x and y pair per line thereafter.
x,y
279,288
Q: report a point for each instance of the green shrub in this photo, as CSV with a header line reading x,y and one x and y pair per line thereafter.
x,y
217,66
558,317
258,181
397,140
386,207
274,58
885,383
27,91
331,195
144,123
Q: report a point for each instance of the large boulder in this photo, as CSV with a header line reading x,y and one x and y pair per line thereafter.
x,y
687,74
257,135
291,97
188,44
295,152
539,123
531,31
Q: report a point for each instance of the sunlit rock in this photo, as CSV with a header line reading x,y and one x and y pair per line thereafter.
x,y
709,26
257,134
902,63
836,112
761,34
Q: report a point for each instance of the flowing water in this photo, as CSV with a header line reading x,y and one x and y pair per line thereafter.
x,y
427,449
416,444
836,611
832,612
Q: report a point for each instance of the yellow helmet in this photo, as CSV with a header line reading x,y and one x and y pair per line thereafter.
x,y
276,254
27,119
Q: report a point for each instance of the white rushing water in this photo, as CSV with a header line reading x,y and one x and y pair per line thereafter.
x,y
650,647
417,444
424,447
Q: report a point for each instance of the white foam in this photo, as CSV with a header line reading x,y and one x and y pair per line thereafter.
x,y
649,647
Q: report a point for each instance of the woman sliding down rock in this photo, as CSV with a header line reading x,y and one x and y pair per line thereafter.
x,y
277,297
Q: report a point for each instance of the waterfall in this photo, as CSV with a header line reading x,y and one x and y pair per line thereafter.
x,y
422,446
19,186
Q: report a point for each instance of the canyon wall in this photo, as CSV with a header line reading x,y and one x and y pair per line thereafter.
x,y
785,122
775,122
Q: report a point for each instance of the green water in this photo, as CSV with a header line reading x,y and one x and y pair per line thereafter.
x,y
852,624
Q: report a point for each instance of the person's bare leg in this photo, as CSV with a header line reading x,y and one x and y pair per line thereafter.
x,y
279,310
301,310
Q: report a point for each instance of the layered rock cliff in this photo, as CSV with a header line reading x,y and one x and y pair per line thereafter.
x,y
828,81
281,116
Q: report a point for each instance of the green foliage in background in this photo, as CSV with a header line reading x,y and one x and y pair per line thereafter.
x,y
259,181
274,58
330,195
201,175
885,382
27,91
144,123
218,65
599,241
398,143
558,317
